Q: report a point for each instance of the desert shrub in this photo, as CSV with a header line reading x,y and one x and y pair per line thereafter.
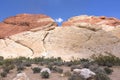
x,y
67,73
94,67
1,58
3,74
8,62
27,64
85,64
102,76
36,70
58,63
50,66
6,69
45,74
46,61
106,60
12,66
108,70
68,64
84,60
57,69
37,60
21,60
20,67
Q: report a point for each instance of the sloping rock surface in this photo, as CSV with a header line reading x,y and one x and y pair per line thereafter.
x,y
69,41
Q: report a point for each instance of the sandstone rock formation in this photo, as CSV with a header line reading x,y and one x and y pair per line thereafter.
x,y
80,36
25,22
93,22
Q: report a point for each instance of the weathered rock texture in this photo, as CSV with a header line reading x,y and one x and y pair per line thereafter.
x,y
66,42
93,22
25,22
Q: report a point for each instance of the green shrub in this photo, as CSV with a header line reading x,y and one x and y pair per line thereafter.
x,y
67,73
58,63
8,62
12,66
106,60
101,76
73,62
6,69
84,60
20,67
1,58
36,70
27,64
45,74
57,69
108,70
68,63
3,74
50,66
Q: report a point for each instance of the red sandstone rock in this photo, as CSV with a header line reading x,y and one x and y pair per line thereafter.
x,y
24,22
102,20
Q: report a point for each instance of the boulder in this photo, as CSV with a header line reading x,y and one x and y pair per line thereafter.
x,y
85,73
46,69
21,76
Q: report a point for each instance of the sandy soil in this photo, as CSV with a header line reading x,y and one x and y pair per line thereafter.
x,y
116,73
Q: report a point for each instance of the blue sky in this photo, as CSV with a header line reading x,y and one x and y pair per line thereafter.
x,y
63,9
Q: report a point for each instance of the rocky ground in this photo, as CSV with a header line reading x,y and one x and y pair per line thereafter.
x,y
54,76
97,68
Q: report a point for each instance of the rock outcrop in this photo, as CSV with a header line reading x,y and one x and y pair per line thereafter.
x,y
80,36
25,22
93,22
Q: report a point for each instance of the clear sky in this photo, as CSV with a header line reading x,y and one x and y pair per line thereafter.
x,y
62,9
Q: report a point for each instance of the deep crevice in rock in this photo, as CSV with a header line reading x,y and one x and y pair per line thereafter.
x,y
23,45
44,42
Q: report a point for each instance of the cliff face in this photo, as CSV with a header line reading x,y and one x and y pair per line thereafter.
x,y
80,36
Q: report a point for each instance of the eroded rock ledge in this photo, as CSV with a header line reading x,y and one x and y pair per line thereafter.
x,y
79,41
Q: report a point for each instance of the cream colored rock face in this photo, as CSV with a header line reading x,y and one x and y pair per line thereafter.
x,y
65,42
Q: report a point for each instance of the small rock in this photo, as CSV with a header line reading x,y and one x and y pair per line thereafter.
x,y
21,76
